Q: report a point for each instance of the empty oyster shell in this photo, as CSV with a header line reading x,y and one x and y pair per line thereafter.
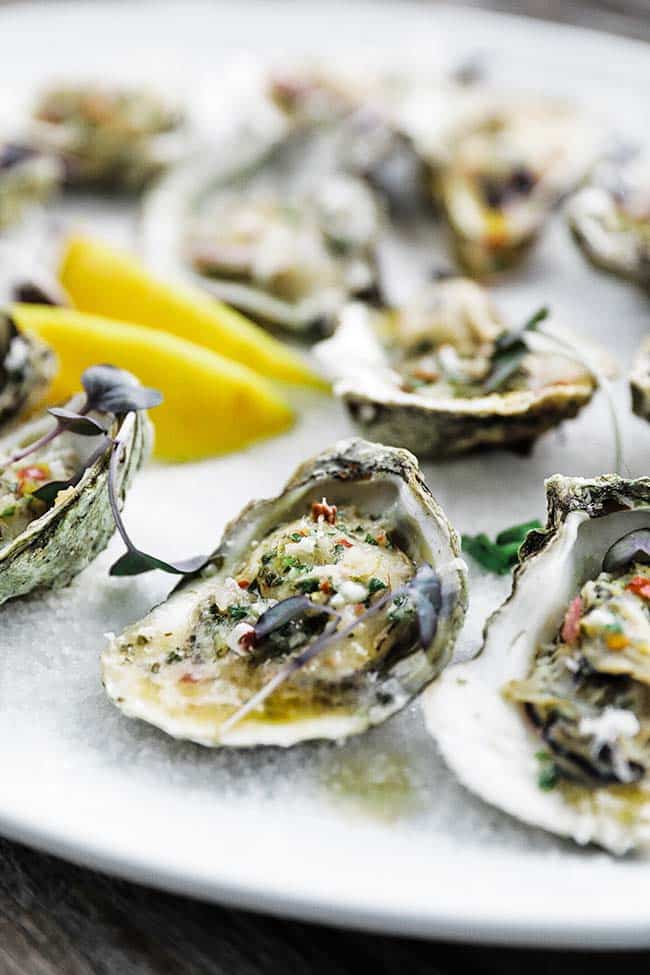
x,y
426,376
351,529
507,167
640,381
27,366
610,219
288,240
43,546
550,722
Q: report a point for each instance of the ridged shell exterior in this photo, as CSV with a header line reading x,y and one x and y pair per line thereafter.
x,y
349,463
54,548
484,738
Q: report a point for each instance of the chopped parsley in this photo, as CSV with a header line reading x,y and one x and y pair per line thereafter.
x,y
548,774
237,612
308,585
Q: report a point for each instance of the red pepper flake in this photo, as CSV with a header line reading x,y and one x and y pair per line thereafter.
x,y
380,538
189,679
325,586
247,640
344,542
321,509
571,626
640,586
31,475
243,583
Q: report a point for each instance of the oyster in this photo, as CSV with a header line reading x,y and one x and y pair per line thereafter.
x,y
353,528
26,177
555,709
505,171
114,137
640,381
27,366
43,543
442,375
287,252
610,219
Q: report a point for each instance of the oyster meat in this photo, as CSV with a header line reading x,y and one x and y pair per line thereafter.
x,y
287,240
27,177
348,538
555,709
443,375
113,137
640,381
507,167
27,366
43,543
610,218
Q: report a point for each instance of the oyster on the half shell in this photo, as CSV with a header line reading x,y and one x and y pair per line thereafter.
x,y
115,137
551,722
46,544
351,529
440,375
27,366
286,237
610,218
507,167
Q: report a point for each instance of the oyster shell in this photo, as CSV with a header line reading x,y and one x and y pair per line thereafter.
x,y
287,240
44,547
419,376
108,136
353,523
640,381
601,795
27,366
507,167
610,219
27,177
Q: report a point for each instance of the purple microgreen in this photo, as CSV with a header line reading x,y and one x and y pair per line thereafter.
x,y
286,610
48,492
510,349
112,390
134,561
425,590
77,423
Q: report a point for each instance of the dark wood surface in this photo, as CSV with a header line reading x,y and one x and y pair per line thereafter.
x,y
57,919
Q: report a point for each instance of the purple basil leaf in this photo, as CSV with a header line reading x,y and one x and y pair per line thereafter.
x,y
77,423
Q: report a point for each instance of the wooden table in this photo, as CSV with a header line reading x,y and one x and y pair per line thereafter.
x,y
56,919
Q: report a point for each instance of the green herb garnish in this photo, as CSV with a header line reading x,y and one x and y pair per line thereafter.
x,y
510,349
548,775
500,555
308,585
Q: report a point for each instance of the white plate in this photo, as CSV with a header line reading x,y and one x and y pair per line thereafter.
x,y
290,832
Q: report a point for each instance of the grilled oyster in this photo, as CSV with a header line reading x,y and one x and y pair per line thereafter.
x,y
506,170
442,375
640,381
27,366
355,527
26,177
113,137
610,219
43,543
284,252
555,710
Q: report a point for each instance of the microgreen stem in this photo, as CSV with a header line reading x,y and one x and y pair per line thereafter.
x,y
43,441
328,636
604,384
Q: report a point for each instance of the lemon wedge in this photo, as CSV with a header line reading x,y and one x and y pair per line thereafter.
x,y
212,405
103,281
